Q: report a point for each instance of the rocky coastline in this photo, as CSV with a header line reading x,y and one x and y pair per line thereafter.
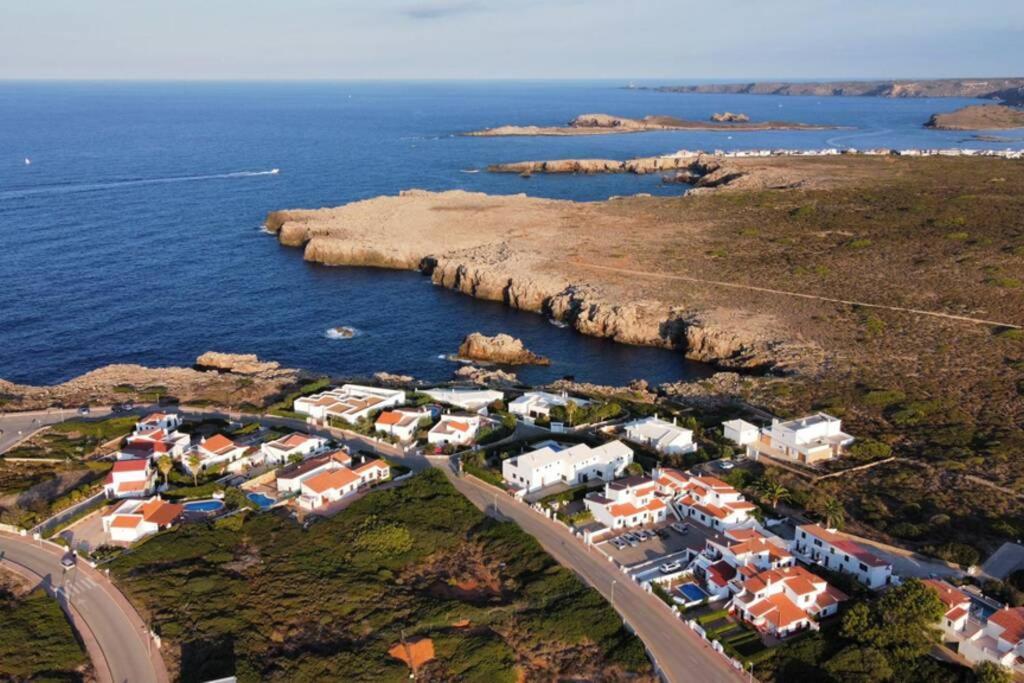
x,y
607,124
483,246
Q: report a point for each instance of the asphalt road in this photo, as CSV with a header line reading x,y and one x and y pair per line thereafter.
x,y
17,426
680,653
119,631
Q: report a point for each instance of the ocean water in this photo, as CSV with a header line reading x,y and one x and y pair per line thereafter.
x,y
134,234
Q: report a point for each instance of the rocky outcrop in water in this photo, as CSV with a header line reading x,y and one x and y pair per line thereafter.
x,y
501,348
729,117
487,376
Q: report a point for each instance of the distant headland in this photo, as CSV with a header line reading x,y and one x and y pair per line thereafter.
x,y
607,124
1007,90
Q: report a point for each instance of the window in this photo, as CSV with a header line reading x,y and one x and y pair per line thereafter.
x,y
863,567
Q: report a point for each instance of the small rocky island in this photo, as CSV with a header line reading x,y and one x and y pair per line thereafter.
x,y
501,348
607,124
979,117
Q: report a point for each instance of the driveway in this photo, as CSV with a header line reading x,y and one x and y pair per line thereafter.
x,y
657,548
87,533
1004,561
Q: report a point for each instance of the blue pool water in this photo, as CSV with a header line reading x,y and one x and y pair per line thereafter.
x,y
204,506
263,501
692,592
134,234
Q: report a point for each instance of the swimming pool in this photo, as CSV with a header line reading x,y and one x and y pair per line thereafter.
x,y
263,501
204,506
692,592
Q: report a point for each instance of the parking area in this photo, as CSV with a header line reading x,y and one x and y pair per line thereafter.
x,y
669,543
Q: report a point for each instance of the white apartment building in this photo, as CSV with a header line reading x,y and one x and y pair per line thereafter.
x,y
467,398
402,423
805,440
575,465
664,437
279,451
350,402
706,500
628,502
832,551
534,404
456,430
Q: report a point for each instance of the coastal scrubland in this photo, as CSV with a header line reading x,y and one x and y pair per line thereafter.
x,y
36,640
809,269
265,599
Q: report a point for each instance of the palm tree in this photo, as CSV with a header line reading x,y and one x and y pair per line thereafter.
x,y
772,492
834,512
164,464
194,460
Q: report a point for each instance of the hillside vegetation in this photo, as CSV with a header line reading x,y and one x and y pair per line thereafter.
x,y
265,599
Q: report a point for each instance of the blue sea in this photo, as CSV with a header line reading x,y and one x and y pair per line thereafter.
x,y
135,233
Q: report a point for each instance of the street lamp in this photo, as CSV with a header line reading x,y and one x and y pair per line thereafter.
x,y
613,592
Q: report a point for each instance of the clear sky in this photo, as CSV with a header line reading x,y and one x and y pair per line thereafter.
x,y
482,39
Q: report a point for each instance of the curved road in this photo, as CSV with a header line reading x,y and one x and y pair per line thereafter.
x,y
679,652
118,629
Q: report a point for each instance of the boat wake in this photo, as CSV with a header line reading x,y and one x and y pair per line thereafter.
x,y
558,323
68,188
470,170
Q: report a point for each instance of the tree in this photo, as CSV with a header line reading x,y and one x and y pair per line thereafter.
x,y
834,513
901,624
634,469
856,664
772,492
165,465
295,458
194,460
990,672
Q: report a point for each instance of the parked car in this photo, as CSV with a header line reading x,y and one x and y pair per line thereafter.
x,y
726,464
680,527
662,533
632,540
618,543
68,561
670,567
84,410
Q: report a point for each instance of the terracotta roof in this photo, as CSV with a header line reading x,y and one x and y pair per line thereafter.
x,y
131,486
218,444
782,612
721,573
956,613
335,479
743,534
153,417
949,595
126,521
1012,622
371,465
846,545
161,513
390,418
139,465
713,483
294,440
624,510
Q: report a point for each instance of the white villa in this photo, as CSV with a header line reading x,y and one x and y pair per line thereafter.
x,y
467,398
456,430
130,479
402,423
806,440
728,560
958,608
327,487
1000,640
575,465
215,450
707,500
534,404
628,502
782,602
349,403
281,450
664,437
289,479
156,435
815,545
740,432
136,519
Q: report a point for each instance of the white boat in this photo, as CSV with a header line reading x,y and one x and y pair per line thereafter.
x,y
28,162
275,171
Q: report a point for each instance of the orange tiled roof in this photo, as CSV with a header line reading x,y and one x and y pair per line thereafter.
x,y
218,444
1012,621
390,418
126,521
160,512
335,479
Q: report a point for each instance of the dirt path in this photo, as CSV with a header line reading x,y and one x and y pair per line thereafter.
x,y
815,297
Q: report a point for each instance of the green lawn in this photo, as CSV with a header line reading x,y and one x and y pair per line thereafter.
x,y
271,601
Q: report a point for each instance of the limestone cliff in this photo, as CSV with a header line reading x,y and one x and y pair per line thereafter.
x,y
501,348
511,249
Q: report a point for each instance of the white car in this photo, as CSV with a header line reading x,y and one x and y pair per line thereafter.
x,y
670,567
680,527
726,464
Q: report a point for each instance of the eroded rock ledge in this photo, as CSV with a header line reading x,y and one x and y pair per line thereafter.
x,y
607,124
513,249
221,378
